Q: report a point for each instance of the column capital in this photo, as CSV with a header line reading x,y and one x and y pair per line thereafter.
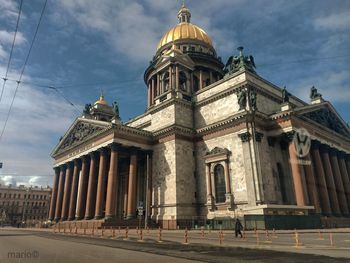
x,y
315,144
245,137
288,136
77,162
258,136
271,141
341,154
324,148
347,157
133,150
115,146
102,150
70,164
93,155
84,158
63,166
333,151
57,169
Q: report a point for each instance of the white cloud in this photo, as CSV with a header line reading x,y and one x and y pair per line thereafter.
x,y
3,53
333,86
135,28
7,37
8,8
334,21
38,118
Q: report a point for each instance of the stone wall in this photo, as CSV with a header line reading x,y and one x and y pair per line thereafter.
x,y
184,115
185,179
236,167
216,111
164,180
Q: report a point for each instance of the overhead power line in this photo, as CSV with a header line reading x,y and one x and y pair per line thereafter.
x,y
13,44
24,66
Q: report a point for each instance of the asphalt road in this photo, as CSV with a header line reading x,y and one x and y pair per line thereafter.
x,y
46,247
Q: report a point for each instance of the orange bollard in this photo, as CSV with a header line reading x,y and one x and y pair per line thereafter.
x,y
267,235
147,230
331,239
243,234
320,236
160,235
202,232
93,230
141,235
255,232
221,237
297,240
102,232
84,230
76,229
126,233
274,233
257,237
186,236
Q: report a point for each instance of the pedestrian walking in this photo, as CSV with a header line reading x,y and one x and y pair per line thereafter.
x,y
238,228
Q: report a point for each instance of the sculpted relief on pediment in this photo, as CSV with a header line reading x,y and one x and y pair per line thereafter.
x,y
329,119
79,133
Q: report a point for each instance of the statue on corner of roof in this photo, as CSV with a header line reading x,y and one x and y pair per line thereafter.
x,y
87,108
285,95
116,109
314,94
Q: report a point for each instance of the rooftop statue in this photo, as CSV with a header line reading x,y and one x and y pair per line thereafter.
x,y
285,95
314,94
87,108
236,63
115,109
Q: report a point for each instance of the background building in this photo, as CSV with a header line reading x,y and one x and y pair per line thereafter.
x,y
217,142
22,205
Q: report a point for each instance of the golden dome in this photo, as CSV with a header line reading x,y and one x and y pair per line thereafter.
x,y
101,101
185,31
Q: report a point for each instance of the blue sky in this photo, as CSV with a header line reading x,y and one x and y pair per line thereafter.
x,y
85,46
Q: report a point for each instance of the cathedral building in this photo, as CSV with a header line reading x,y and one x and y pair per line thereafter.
x,y
217,142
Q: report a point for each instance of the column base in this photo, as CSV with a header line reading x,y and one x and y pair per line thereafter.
x,y
109,218
79,218
130,217
88,217
98,217
71,218
57,219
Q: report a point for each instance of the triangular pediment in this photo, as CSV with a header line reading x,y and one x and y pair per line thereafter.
x,y
183,59
217,151
324,114
81,130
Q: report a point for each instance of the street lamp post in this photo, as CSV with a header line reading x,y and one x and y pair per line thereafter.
x,y
25,205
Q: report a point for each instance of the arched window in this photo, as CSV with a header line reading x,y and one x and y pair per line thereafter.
x,y
183,81
165,81
220,187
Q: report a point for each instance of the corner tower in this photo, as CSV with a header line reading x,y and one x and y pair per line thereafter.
x,y
185,62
